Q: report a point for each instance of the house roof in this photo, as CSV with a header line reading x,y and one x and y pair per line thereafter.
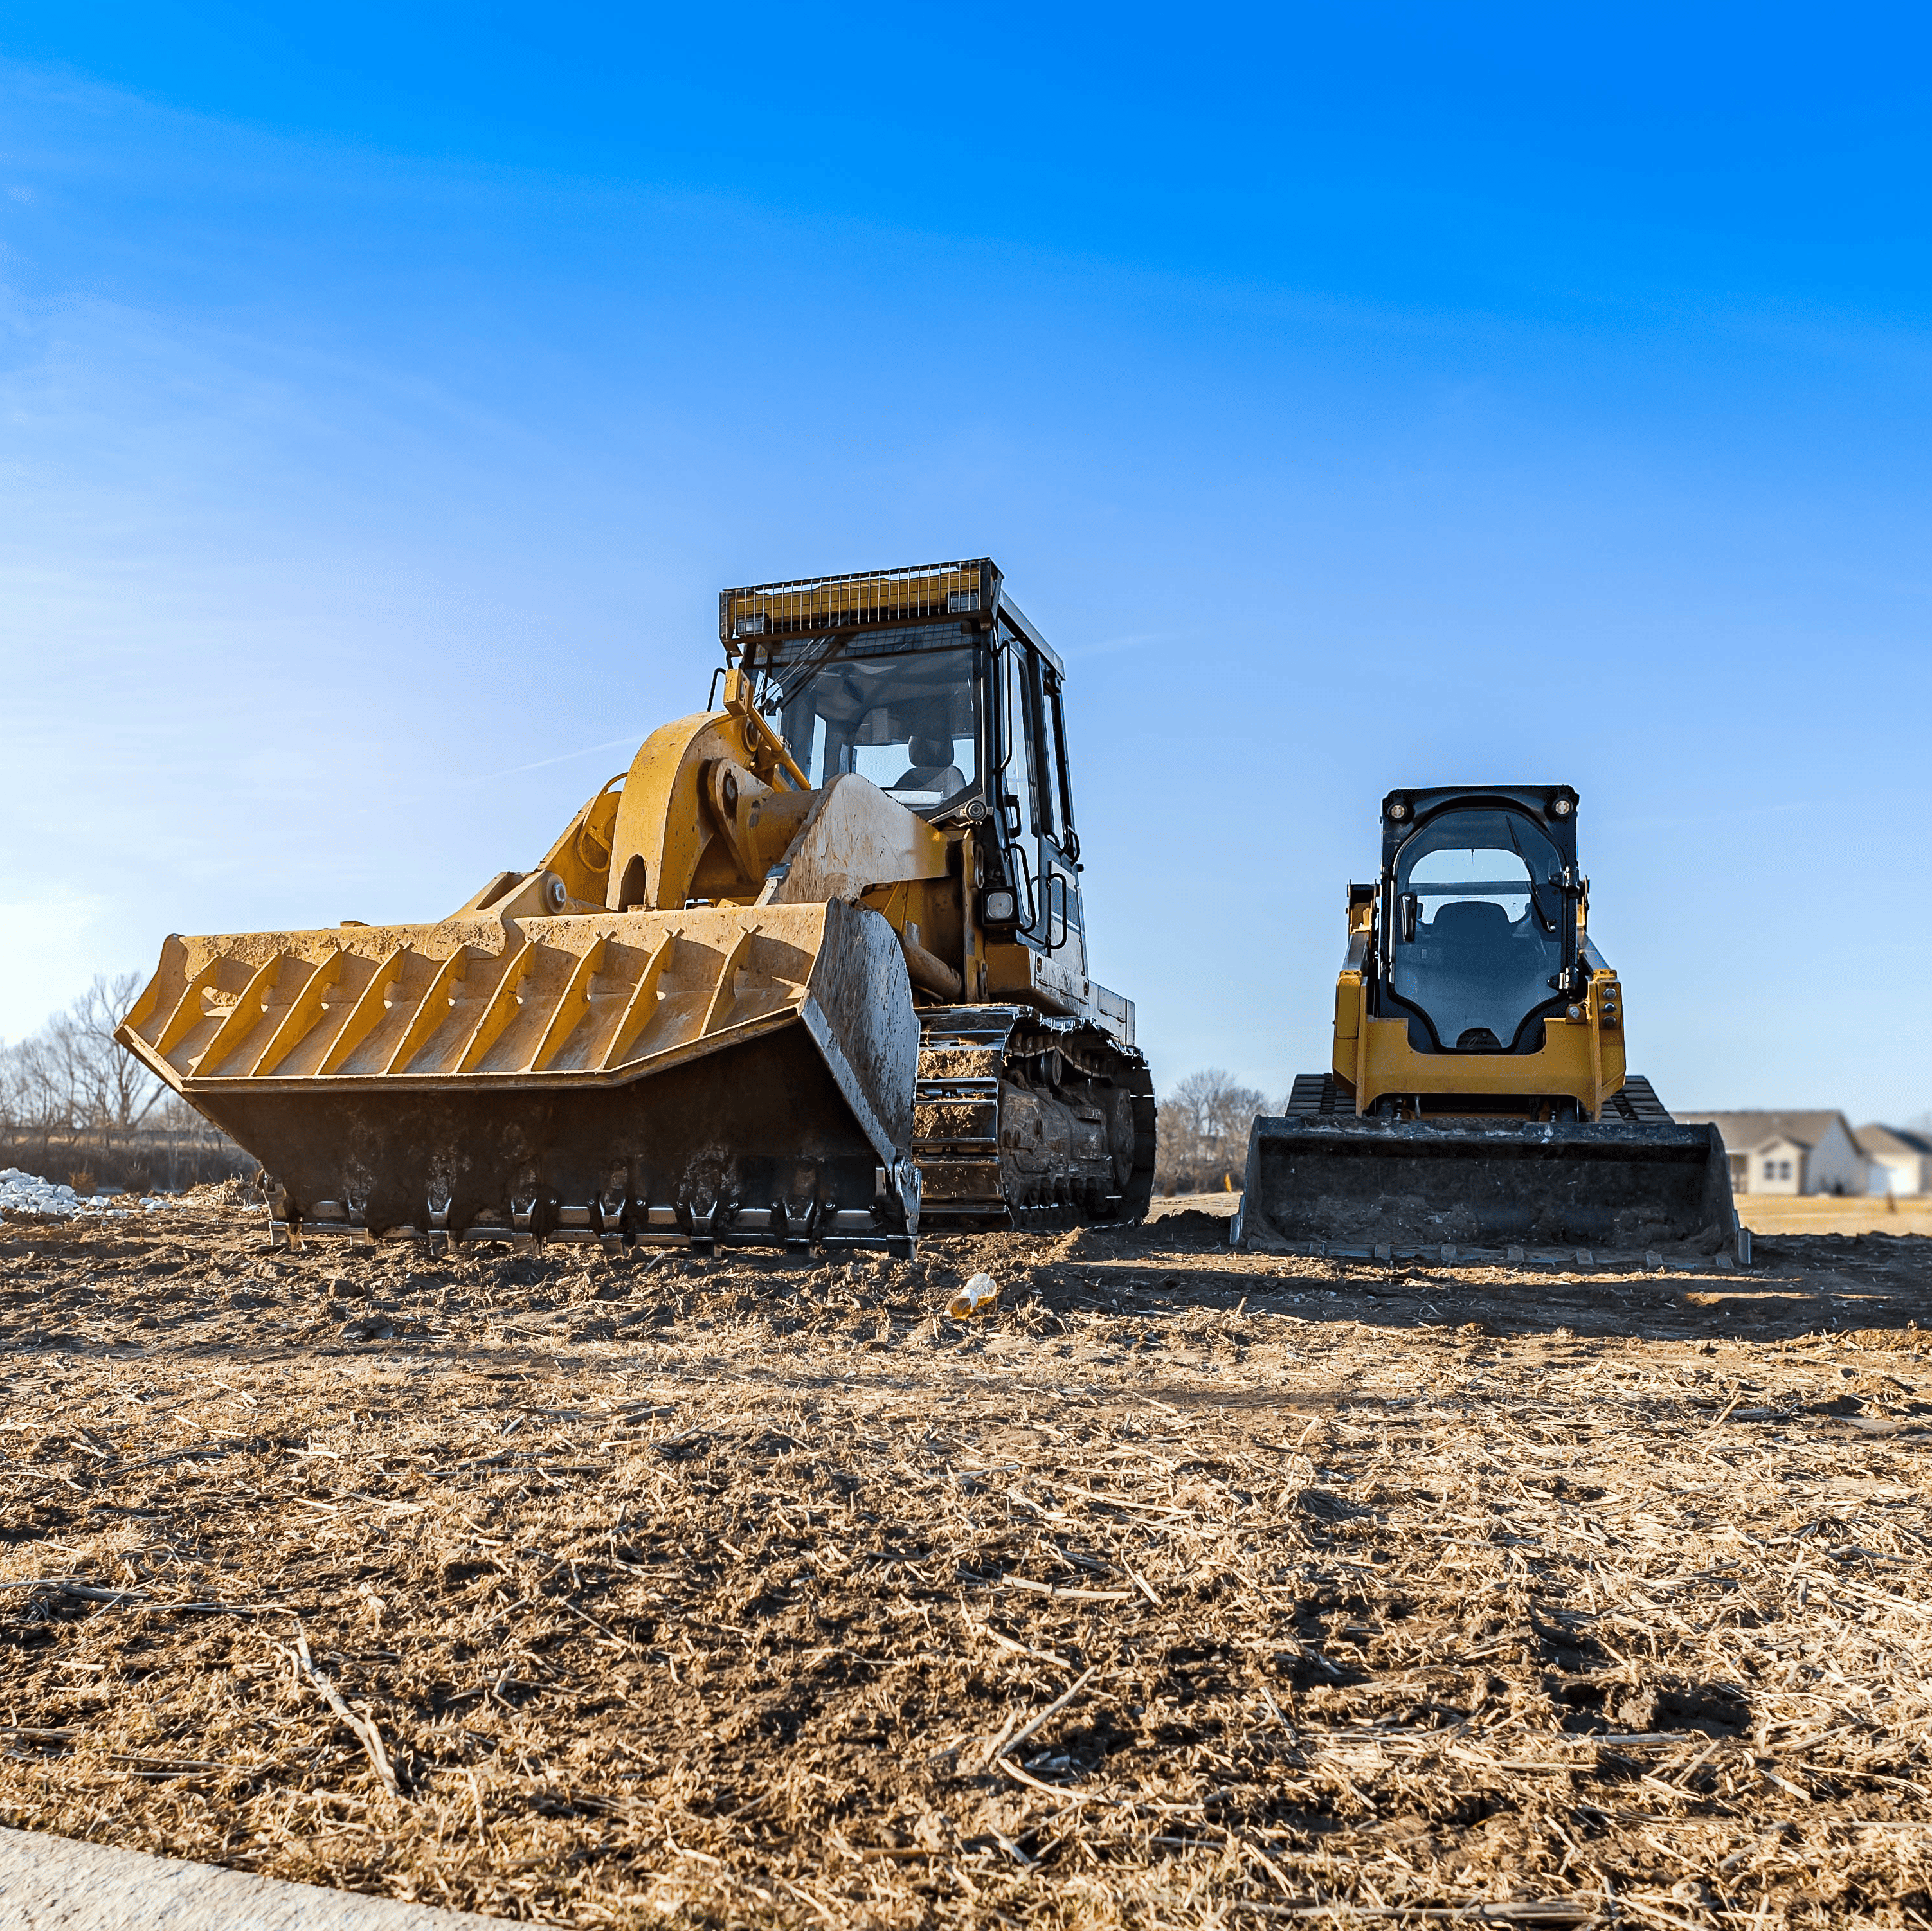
x,y
1898,1141
1745,1132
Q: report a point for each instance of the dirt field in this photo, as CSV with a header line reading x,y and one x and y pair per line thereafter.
x,y
1818,1213
1188,1588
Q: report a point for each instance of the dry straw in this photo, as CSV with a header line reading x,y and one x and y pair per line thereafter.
x,y
1163,1598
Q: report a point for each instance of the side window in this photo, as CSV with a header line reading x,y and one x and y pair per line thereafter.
x,y
1022,770
1053,755
1042,757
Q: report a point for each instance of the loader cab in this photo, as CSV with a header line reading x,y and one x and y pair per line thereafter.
x,y
903,708
1477,917
933,684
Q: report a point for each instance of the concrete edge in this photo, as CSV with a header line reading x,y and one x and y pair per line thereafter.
x,y
60,1884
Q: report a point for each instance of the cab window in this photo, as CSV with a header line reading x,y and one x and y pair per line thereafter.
x,y
908,720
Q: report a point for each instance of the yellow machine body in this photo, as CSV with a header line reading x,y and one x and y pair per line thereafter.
x,y
730,1004
1478,1099
1581,1059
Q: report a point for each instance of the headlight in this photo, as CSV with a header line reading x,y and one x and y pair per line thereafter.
x,y
999,908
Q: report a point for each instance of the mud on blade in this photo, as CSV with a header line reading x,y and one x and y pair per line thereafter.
x,y
1612,1184
711,1073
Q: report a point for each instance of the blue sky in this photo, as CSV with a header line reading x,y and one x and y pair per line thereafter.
x,y
1356,397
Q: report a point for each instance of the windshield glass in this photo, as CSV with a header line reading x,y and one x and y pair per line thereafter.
x,y
1477,934
907,718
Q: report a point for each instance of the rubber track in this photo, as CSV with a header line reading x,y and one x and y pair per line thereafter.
x,y
1314,1096
1637,1100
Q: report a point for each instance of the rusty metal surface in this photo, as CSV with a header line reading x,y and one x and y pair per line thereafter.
x,y
759,1124
860,1013
638,1075
856,837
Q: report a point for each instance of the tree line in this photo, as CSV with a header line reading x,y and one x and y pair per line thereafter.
x,y
1202,1128
75,1106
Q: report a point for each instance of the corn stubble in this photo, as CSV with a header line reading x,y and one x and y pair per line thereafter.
x,y
1188,1587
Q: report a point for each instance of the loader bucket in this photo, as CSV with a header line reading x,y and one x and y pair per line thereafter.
x,y
713,1074
1406,1184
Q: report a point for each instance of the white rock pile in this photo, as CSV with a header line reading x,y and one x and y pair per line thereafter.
x,y
28,1193
22,1192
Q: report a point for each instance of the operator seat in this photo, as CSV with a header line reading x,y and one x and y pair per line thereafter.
x,y
1475,975
932,768
1470,921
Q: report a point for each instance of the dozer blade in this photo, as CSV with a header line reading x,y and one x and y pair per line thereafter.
x,y
1615,1185
717,1073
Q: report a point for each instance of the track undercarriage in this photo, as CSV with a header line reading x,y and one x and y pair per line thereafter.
x,y
1019,1121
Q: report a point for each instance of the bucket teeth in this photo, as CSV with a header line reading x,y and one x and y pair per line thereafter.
x,y
714,1074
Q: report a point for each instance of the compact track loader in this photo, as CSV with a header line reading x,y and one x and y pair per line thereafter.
x,y
1478,1096
814,971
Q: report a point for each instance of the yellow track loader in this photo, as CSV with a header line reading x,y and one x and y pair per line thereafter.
x,y
813,972
1478,1097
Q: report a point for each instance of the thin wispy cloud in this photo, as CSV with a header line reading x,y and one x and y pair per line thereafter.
x,y
356,442
631,740
1139,641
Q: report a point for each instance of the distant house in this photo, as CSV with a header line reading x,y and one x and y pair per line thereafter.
x,y
1900,1160
1790,1153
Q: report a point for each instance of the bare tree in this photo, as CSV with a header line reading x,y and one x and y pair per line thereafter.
x,y
71,1078
117,1089
1203,1126
73,1104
